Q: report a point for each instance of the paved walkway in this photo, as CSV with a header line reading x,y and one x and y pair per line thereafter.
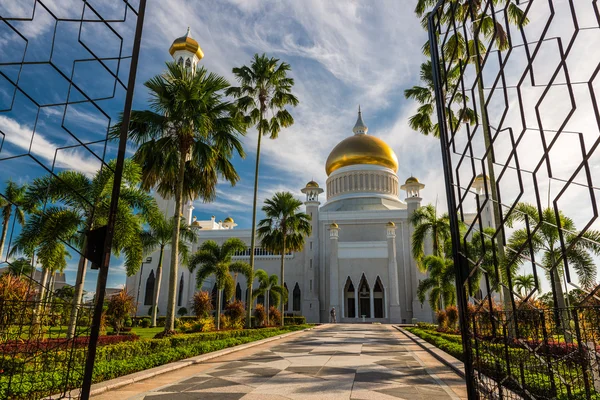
x,y
332,362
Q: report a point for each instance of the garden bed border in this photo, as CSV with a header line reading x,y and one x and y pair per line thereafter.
x,y
450,361
116,383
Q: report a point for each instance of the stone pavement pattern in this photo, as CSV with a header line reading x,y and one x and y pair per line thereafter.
x,y
336,362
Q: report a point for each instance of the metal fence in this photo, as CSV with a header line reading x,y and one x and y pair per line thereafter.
x,y
516,87
67,71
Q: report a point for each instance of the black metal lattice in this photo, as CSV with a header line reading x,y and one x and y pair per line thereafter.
x,y
523,176
66,72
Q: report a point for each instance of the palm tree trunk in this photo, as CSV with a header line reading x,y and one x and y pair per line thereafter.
x,y
42,295
157,287
282,281
4,230
561,305
218,316
253,234
267,303
79,283
170,320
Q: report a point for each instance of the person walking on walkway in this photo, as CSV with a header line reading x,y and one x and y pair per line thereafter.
x,y
332,315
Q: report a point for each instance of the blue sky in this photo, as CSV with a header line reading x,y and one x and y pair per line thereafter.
x,y
342,53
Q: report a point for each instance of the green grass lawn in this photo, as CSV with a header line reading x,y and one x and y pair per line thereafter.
x,y
147,333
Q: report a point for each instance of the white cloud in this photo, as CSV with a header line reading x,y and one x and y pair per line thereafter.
x,y
36,144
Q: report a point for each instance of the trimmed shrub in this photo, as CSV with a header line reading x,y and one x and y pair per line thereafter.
x,y
274,316
260,315
146,322
442,319
202,304
182,311
452,314
235,311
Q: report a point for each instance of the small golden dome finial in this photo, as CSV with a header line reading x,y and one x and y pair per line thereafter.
x,y
186,43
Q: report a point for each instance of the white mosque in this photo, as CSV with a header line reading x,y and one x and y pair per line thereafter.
x,y
358,257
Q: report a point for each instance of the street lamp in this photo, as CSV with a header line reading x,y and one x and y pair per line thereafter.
x,y
137,299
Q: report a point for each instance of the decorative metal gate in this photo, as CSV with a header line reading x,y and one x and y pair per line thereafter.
x,y
67,71
516,85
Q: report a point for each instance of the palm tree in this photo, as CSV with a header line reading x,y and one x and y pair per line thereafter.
x,y
264,88
543,238
439,283
158,236
524,284
45,235
424,94
14,195
284,229
20,266
269,286
428,224
88,198
212,259
186,139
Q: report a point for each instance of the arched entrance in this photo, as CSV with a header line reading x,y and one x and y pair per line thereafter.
x,y
378,299
364,298
349,299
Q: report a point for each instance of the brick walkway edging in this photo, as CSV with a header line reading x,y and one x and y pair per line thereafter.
x,y
125,380
453,363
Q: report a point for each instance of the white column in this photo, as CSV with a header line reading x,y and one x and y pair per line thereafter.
x,y
371,302
394,297
334,296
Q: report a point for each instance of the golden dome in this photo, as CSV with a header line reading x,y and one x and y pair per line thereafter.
x,y
334,226
410,180
361,149
312,184
186,43
391,224
228,219
482,177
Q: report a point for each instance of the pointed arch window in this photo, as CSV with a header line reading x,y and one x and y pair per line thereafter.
x,y
296,298
238,292
188,63
350,299
378,299
364,298
180,61
149,293
179,300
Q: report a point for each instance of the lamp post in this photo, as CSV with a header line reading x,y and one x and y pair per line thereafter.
x,y
137,299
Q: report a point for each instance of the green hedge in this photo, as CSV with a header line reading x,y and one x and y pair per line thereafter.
x,y
295,320
123,358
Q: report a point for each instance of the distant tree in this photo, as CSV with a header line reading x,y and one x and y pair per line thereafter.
x,y
284,229
439,284
212,259
524,284
269,286
159,235
428,224
13,196
20,266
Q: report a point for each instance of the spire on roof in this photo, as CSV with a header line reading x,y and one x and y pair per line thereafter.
x,y
360,128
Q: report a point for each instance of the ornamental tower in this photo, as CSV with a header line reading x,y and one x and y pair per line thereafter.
x,y
186,51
